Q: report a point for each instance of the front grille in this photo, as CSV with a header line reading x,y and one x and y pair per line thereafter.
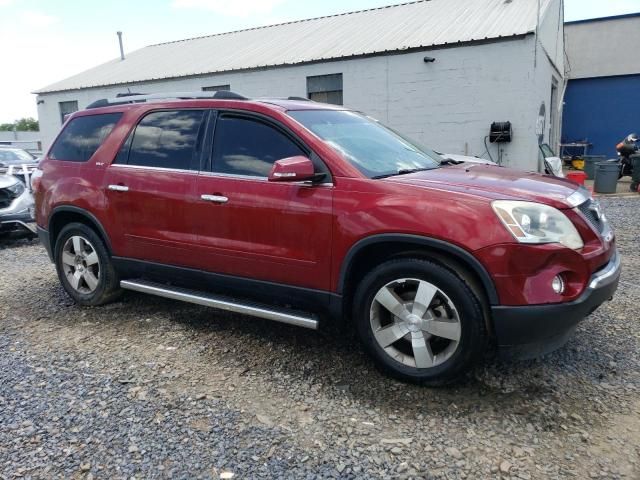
x,y
6,197
21,172
589,209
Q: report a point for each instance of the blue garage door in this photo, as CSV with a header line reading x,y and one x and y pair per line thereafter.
x,y
603,111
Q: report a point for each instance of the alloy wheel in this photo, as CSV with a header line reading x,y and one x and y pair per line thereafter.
x,y
81,264
415,323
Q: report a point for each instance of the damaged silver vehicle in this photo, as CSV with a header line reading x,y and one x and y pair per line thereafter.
x,y
16,200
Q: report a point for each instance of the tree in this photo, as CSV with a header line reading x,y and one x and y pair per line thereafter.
x,y
27,125
22,125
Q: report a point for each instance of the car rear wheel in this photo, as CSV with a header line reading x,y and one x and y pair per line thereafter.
x,y
84,266
420,322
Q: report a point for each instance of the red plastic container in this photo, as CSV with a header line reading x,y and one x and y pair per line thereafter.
x,y
577,177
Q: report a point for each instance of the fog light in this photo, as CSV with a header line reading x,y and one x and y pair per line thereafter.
x,y
558,285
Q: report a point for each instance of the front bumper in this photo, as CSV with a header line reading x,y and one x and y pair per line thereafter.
x,y
532,331
19,214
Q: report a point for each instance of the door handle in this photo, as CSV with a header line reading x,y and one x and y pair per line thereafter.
x,y
118,188
214,198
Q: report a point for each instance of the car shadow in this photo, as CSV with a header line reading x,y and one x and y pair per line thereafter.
x,y
334,358
331,362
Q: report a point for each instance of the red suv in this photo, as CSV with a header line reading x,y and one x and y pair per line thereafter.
x,y
301,212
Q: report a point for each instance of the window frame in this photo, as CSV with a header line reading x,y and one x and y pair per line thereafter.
x,y
208,164
195,162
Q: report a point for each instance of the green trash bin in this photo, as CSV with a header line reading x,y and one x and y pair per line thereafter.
x,y
590,164
635,177
607,175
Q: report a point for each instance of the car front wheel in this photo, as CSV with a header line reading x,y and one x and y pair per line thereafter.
x,y
419,321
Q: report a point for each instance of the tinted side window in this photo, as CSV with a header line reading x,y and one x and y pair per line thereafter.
x,y
167,140
82,136
243,146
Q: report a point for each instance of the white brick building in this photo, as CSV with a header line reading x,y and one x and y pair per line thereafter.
x,y
493,60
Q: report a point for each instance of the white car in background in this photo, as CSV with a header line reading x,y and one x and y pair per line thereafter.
x,y
16,200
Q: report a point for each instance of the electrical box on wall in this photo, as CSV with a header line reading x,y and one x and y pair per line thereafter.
x,y
501,132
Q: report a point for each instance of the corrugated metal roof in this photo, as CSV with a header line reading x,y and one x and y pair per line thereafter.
x,y
423,23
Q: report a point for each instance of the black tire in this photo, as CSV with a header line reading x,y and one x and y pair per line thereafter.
x,y
108,282
470,346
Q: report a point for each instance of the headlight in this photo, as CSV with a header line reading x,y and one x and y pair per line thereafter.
x,y
17,189
532,222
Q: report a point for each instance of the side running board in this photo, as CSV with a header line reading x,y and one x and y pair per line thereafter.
x,y
222,303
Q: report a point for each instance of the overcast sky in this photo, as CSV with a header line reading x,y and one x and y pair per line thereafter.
x,y
44,41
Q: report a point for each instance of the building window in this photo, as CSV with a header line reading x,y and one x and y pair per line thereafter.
x,y
325,88
66,109
217,88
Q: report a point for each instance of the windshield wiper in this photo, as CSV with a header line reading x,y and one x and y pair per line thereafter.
x,y
404,171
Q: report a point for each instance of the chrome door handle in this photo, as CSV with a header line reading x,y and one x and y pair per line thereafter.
x,y
214,198
118,188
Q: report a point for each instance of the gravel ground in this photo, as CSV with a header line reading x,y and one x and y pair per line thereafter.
x,y
148,388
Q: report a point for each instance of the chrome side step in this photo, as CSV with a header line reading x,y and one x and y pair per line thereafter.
x,y
221,303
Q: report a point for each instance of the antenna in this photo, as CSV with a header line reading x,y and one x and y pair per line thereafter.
x,y
121,47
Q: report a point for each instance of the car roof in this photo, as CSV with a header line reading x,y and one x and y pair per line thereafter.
x,y
219,99
299,104
271,104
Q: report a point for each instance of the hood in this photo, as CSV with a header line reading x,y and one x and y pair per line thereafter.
x,y
7,181
495,183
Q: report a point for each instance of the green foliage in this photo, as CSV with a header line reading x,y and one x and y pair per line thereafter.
x,y
22,125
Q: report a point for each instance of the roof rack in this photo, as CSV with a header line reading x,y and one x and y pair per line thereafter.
x,y
129,98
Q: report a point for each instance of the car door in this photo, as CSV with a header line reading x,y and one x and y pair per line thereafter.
x,y
250,227
151,187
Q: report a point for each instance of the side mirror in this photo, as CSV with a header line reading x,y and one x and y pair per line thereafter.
x,y
294,169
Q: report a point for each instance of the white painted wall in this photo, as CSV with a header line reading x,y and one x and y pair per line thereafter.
x,y
26,140
549,65
19,136
551,33
603,48
448,105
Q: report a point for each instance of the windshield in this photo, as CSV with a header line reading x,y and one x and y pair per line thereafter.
x,y
10,156
375,150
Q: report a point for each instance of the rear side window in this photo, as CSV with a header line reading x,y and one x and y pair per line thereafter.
x,y
83,136
243,146
168,139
